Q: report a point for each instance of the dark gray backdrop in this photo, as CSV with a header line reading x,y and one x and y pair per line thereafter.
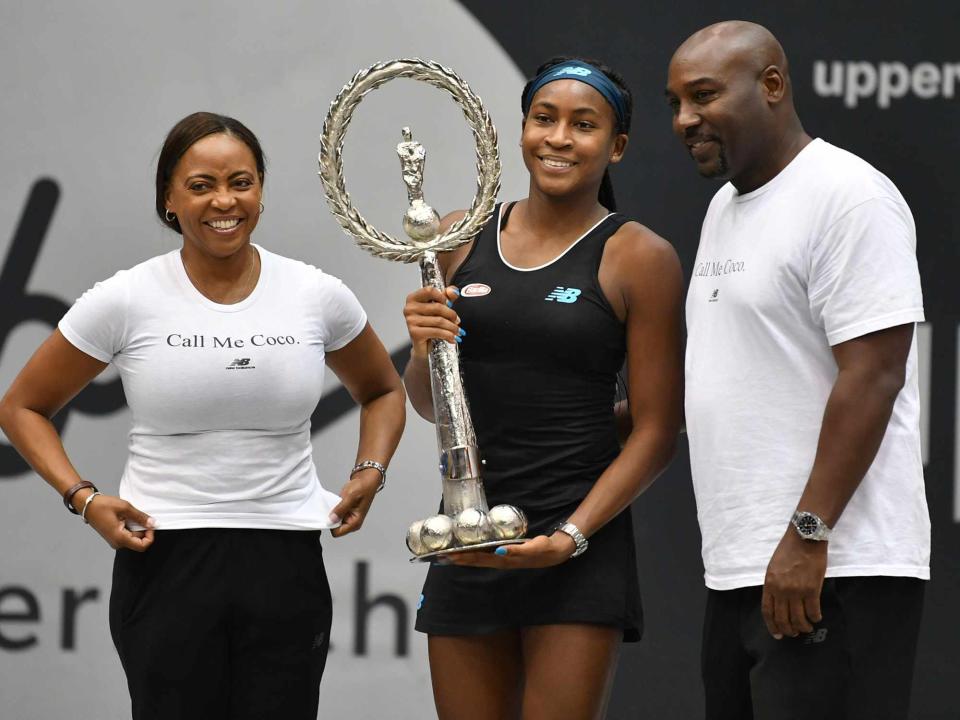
x,y
913,140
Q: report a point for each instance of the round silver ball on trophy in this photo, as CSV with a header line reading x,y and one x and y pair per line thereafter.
x,y
463,493
413,538
509,522
436,533
472,526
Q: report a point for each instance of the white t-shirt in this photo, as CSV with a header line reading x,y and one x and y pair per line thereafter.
x,y
221,395
823,253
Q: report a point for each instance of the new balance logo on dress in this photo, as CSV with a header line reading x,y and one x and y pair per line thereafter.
x,y
564,295
817,636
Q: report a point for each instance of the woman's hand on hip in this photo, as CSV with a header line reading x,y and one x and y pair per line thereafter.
x,y
109,515
539,552
430,315
355,501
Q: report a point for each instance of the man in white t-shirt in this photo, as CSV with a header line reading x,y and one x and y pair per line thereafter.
x,y
802,402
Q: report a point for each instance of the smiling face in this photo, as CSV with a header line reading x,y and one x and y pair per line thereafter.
x,y
569,137
720,108
215,192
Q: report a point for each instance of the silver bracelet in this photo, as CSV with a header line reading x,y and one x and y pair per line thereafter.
x,y
86,504
371,464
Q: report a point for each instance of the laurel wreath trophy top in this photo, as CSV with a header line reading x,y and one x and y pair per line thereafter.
x,y
331,164
466,522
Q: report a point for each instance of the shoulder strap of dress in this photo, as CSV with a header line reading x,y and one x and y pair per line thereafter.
x,y
614,221
480,247
506,215
594,244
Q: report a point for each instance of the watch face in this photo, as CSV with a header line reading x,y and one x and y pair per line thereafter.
x,y
807,524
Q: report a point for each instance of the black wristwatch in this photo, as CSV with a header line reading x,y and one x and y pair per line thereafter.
x,y
809,526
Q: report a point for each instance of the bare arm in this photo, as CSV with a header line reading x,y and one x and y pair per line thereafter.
x,y
651,282
365,369
55,374
871,372
430,315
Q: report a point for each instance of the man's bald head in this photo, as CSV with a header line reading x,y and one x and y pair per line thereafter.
x,y
734,44
732,106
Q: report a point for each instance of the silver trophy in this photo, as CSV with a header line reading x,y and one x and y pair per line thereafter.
x,y
466,523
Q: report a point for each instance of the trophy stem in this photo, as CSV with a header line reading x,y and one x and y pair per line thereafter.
x,y
459,460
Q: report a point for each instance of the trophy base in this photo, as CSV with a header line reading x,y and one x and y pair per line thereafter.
x,y
489,545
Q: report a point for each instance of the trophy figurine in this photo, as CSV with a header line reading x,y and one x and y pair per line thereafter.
x,y
466,523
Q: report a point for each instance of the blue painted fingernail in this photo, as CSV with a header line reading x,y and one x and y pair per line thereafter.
x,y
449,303
500,551
458,339
455,291
463,333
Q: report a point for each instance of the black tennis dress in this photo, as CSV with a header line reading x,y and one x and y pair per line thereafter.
x,y
540,358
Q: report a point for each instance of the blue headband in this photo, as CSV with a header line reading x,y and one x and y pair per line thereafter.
x,y
585,73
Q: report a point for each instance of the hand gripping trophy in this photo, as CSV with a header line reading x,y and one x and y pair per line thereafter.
x,y
466,522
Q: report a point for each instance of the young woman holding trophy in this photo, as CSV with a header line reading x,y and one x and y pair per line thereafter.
x,y
547,303
220,606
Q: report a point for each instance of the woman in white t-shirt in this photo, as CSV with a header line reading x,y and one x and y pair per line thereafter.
x,y
220,606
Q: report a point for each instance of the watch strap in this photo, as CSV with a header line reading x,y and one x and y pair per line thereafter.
x,y
568,528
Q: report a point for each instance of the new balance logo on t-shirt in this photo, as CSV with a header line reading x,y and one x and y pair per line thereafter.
x,y
563,295
241,364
